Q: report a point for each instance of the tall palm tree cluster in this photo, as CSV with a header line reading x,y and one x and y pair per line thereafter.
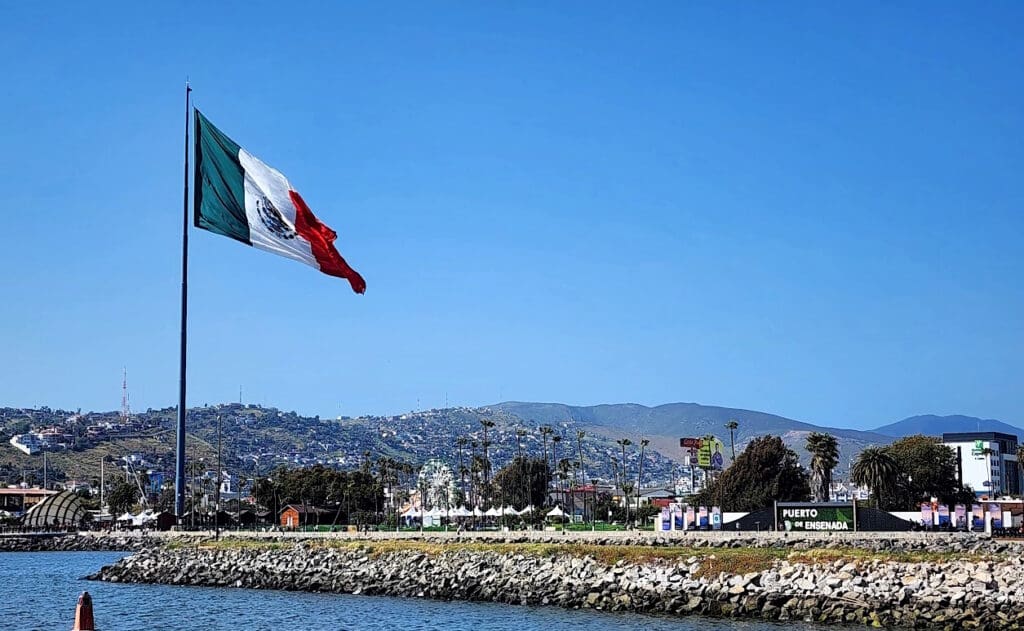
x,y
568,469
564,460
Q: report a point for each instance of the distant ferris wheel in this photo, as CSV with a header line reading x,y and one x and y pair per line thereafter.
x,y
437,482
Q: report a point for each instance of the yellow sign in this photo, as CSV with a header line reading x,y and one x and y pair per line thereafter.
x,y
710,455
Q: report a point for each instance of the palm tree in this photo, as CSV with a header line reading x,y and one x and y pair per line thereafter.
x,y
731,426
486,423
562,475
461,442
988,452
555,439
640,475
875,469
520,433
545,431
824,450
625,442
583,472
474,487
1020,465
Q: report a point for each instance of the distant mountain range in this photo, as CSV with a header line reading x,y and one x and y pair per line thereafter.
x,y
935,425
665,424
270,437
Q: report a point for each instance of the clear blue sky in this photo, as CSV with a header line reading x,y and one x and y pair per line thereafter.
x,y
813,209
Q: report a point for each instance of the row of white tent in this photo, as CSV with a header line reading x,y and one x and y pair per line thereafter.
x,y
141,519
461,511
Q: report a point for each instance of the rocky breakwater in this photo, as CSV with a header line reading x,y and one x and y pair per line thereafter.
x,y
75,543
965,593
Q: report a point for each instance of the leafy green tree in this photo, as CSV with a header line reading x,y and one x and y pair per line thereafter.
x,y
875,469
523,482
345,492
927,469
824,450
766,471
122,497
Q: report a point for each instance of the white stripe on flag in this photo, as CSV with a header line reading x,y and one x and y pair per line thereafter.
x,y
270,212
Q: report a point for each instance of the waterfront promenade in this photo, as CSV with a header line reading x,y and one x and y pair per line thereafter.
x,y
611,537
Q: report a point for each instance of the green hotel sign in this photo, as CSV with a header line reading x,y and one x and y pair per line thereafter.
x,y
793,517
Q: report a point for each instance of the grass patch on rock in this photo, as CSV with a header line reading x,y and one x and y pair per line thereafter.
x,y
713,561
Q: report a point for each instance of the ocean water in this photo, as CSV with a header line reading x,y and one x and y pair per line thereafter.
x,y
40,591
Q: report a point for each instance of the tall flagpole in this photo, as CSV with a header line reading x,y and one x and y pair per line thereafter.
x,y
179,466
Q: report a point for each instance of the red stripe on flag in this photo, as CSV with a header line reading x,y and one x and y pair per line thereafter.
x,y
321,239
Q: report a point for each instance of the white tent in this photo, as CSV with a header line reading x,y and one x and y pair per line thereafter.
x,y
126,517
556,512
477,512
435,513
143,518
527,510
461,512
509,510
492,512
412,512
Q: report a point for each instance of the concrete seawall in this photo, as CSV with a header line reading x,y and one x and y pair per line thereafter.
x,y
972,583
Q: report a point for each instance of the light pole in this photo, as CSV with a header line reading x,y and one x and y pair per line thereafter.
x,y
102,472
216,503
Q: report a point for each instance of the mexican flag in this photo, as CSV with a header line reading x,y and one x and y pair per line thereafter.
x,y
239,196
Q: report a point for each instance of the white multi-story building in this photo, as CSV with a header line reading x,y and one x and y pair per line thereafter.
x,y
28,443
988,462
847,491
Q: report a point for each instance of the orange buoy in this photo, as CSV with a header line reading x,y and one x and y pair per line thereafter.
x,y
83,614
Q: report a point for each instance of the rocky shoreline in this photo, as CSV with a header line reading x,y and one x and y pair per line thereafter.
x,y
981,590
76,543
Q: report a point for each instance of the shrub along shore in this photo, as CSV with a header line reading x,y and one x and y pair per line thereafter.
x,y
924,582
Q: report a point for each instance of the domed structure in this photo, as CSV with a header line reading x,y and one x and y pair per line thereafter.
x,y
62,510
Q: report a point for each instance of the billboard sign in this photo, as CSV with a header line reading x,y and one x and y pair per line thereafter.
x,y
807,517
943,515
961,516
702,517
690,443
691,518
711,454
716,517
675,512
977,517
926,514
995,512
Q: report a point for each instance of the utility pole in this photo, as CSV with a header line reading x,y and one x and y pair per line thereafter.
x,y
102,461
192,510
216,513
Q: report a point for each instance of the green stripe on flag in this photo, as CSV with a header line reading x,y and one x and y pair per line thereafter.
x,y
220,192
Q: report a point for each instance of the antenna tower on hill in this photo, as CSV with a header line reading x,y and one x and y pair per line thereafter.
x,y
126,411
